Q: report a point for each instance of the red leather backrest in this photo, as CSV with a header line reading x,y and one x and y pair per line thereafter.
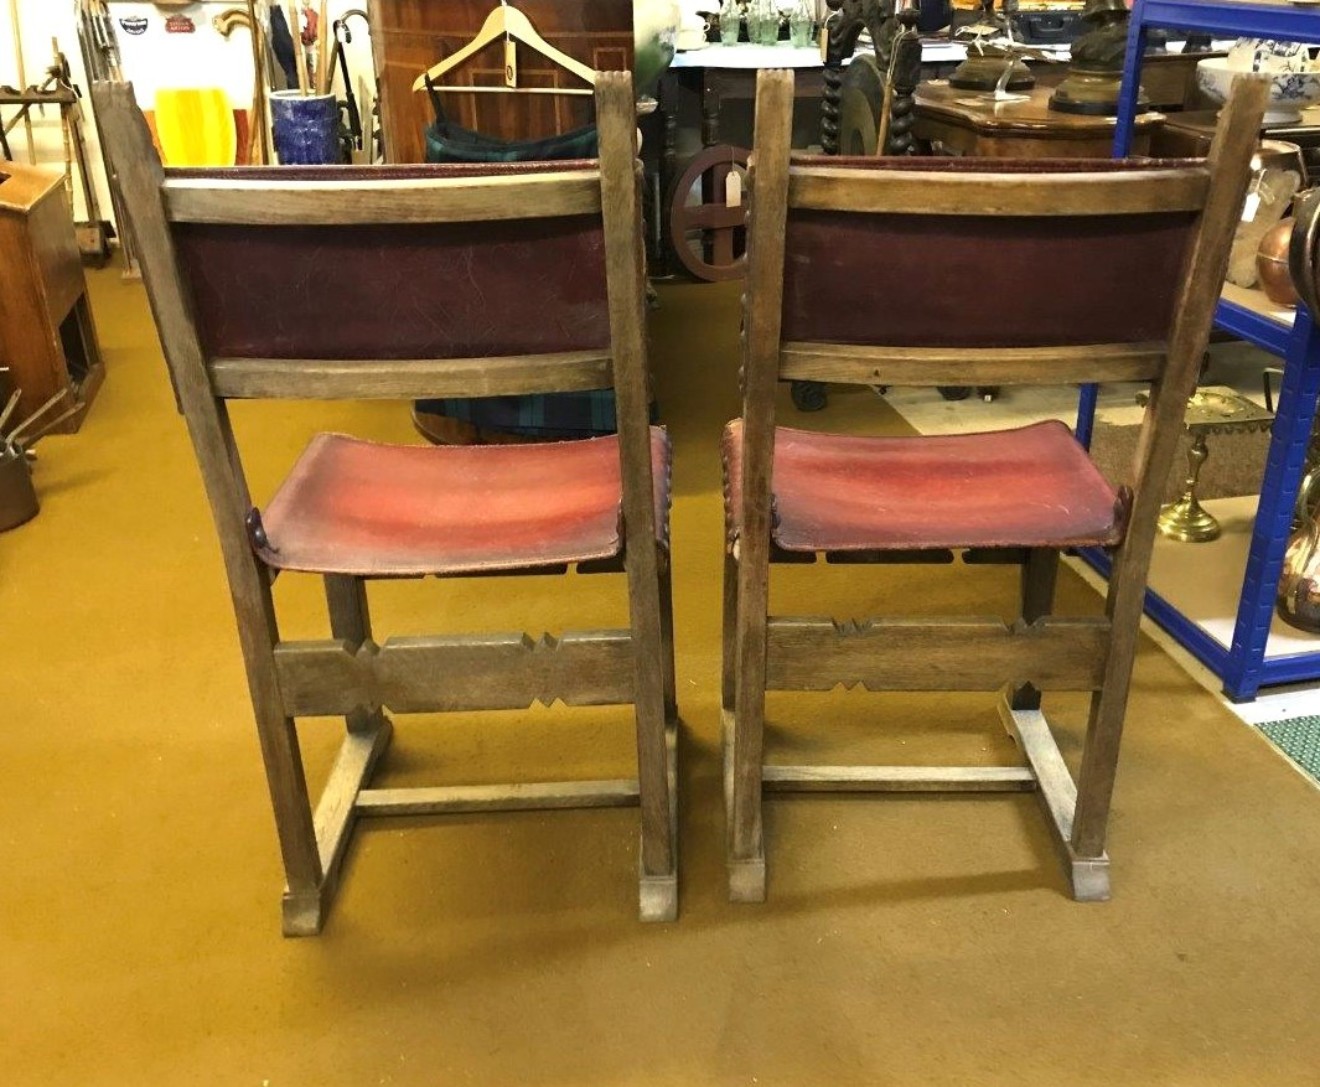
x,y
982,281
449,290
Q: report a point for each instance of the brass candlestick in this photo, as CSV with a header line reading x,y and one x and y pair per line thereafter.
x,y
1215,409
1187,520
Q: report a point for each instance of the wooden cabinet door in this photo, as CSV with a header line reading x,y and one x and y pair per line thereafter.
x,y
409,36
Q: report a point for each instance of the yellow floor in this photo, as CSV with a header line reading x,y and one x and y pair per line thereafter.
x,y
906,941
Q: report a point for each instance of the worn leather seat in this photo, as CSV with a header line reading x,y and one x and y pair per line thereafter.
x,y
1029,487
372,510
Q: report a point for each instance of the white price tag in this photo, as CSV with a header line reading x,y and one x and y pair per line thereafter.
x,y
733,189
1251,207
510,63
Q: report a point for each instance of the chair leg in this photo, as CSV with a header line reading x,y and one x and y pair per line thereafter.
x,y
350,619
1104,730
656,742
667,639
1040,574
303,905
746,847
369,732
729,633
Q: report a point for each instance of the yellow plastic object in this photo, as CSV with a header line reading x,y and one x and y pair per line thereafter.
x,y
195,127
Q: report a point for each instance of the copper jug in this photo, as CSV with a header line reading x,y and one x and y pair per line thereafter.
x,y
1298,602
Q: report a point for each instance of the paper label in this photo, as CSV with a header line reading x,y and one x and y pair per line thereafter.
x,y
733,189
1251,207
510,63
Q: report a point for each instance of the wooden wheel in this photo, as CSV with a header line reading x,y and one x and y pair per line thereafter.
x,y
861,106
710,238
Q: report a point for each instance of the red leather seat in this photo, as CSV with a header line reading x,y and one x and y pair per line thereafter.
x,y
1029,487
367,509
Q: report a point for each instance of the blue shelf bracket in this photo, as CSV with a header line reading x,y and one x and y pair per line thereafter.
x,y
1130,88
1284,466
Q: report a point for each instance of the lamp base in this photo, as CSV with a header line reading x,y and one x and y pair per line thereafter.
x,y
983,71
1091,93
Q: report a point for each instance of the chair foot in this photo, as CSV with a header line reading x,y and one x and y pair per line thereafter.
x,y
658,893
1089,877
658,898
746,875
304,914
747,880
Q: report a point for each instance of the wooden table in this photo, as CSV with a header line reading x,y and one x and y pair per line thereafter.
x,y
1188,135
972,123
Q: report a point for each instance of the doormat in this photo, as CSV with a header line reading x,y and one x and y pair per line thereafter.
x,y
1234,468
1299,739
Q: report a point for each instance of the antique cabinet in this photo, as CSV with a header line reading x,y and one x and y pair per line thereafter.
x,y
409,36
47,338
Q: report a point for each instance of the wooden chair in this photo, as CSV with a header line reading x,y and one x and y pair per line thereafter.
x,y
445,281
848,282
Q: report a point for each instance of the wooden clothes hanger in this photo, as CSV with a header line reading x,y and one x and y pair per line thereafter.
x,y
511,24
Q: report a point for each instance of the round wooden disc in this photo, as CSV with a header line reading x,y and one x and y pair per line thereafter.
x,y
723,229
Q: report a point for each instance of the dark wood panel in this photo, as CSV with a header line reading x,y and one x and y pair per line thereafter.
x,y
409,36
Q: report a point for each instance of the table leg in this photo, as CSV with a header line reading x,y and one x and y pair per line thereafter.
x,y
667,95
710,136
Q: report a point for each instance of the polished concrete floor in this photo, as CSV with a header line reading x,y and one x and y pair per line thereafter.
x,y
906,941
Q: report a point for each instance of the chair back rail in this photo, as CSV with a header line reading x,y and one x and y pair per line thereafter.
x,y
356,200
409,379
1105,187
853,363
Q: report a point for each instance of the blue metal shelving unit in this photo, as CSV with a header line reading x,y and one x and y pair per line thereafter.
x,y
1243,666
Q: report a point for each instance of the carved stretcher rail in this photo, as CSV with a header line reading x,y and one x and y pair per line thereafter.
x,y
432,675
950,655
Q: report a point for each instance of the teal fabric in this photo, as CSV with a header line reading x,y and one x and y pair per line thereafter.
x,y
447,142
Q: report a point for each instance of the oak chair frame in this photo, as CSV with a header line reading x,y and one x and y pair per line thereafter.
x,y
1039,652
350,675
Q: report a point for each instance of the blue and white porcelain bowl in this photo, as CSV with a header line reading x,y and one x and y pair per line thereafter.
x,y
1290,92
